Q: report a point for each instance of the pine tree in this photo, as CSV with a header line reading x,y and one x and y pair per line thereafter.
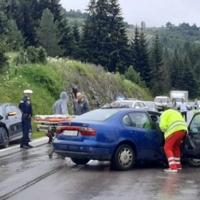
x,y
120,51
14,36
140,56
26,22
89,33
48,34
3,23
76,40
104,36
145,70
157,68
66,39
189,83
54,6
135,48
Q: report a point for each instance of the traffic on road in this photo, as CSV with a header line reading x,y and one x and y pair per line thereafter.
x,y
86,151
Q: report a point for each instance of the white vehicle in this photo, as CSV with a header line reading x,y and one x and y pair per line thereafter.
x,y
162,102
178,95
128,103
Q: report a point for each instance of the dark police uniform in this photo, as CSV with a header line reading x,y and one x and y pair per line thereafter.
x,y
26,109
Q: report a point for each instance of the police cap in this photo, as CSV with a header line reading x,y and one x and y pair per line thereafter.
x,y
28,92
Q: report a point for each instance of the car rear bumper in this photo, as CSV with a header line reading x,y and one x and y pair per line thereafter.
x,y
81,150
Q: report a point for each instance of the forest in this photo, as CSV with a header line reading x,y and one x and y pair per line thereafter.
x,y
160,59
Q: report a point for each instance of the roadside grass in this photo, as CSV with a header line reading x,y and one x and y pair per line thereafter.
x,y
47,81
37,135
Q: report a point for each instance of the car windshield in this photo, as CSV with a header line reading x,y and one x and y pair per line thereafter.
x,y
98,115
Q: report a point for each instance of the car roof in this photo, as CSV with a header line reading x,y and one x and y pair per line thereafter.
x,y
122,109
128,101
162,97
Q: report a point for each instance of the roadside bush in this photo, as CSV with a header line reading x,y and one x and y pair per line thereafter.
x,y
134,76
32,55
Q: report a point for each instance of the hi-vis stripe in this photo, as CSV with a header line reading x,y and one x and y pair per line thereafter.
x,y
173,161
177,123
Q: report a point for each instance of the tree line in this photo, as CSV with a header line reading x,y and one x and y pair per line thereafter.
x,y
102,40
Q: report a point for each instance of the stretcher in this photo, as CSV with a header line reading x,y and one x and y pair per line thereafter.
x,y
49,124
46,123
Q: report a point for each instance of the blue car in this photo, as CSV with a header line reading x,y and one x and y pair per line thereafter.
x,y
120,135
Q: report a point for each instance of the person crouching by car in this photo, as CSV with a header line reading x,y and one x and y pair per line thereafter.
x,y
81,104
175,129
27,113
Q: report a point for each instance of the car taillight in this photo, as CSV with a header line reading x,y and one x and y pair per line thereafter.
x,y
69,128
84,131
87,131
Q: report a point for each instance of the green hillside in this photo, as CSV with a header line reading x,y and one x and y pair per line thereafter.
x,y
47,81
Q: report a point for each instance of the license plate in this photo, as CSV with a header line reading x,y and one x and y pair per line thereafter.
x,y
70,133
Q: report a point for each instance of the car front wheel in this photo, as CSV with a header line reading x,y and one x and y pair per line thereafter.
x,y
124,157
4,136
194,162
80,161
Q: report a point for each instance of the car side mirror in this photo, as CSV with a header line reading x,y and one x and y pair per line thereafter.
x,y
1,117
10,114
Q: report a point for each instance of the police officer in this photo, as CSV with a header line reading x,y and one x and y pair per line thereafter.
x,y
26,109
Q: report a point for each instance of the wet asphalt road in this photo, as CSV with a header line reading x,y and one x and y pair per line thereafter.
x,y
30,174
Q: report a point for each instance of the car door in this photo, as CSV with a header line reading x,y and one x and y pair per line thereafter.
x,y
148,143
192,142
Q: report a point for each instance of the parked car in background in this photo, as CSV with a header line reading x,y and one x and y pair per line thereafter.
x,y
162,102
127,103
196,105
10,124
122,136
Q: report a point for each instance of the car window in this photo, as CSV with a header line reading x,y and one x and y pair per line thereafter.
x,y
195,124
17,110
126,120
98,115
142,105
9,109
137,105
12,108
140,120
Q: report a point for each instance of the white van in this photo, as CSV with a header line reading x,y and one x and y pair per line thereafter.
x,y
161,102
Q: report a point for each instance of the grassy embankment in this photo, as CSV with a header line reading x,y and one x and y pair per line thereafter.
x,y
47,81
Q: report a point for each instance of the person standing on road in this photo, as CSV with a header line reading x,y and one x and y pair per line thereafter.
x,y
27,113
60,106
175,129
81,104
183,109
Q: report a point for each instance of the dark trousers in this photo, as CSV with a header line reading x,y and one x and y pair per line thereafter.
x,y
26,126
184,114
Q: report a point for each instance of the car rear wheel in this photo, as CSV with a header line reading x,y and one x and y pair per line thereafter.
x,y
80,161
194,162
4,136
124,157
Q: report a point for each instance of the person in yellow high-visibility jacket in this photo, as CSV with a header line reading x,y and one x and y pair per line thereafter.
x,y
175,129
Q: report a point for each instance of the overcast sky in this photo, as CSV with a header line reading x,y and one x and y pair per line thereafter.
x,y
153,12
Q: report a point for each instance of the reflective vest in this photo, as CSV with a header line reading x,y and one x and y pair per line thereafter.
x,y
172,121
